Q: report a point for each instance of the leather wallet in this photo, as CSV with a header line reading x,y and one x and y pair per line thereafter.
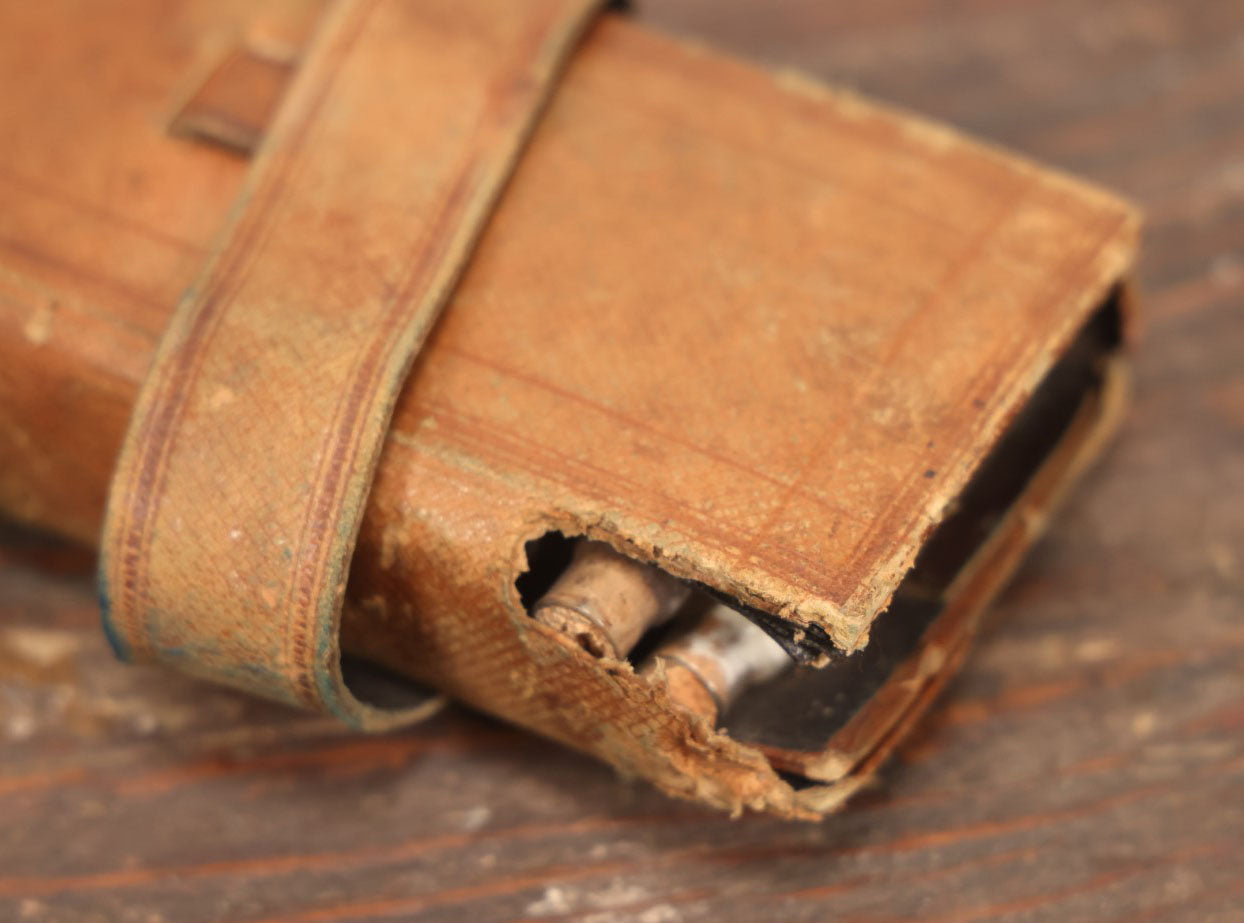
x,y
682,411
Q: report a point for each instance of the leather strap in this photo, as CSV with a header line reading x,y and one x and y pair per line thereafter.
x,y
239,491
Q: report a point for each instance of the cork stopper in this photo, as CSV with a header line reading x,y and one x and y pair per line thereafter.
x,y
605,601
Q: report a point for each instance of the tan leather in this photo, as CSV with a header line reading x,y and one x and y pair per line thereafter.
x,y
758,331
239,490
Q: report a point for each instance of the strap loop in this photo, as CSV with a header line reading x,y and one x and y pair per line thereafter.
x,y
240,488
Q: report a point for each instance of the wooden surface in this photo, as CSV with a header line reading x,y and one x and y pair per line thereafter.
x,y
1089,764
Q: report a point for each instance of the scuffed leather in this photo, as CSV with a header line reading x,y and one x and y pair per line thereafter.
x,y
238,493
756,330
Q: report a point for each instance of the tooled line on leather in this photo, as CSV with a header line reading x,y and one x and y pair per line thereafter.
x,y
951,276
789,556
50,193
199,337
705,525
474,434
158,428
655,110
200,333
428,253
1016,367
877,368
346,426
1069,278
117,288
607,411
493,441
1018,193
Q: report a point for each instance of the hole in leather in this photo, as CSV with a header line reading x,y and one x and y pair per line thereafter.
x,y
804,707
548,556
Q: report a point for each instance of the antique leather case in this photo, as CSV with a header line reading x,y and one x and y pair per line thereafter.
x,y
819,359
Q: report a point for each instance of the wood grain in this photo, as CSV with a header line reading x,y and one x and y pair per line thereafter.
x,y
1088,765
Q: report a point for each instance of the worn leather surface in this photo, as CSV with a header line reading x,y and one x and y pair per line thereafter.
x,y
239,489
759,331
